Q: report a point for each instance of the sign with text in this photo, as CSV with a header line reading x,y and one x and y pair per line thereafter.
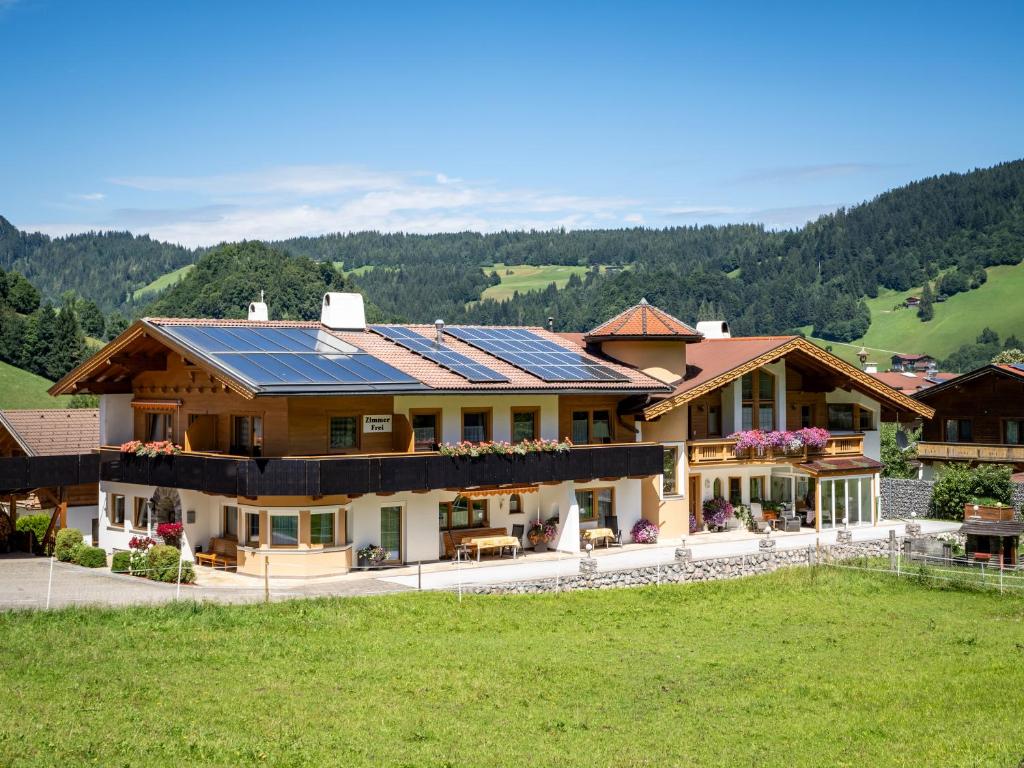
x,y
377,423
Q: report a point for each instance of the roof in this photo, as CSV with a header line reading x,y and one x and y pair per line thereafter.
x,y
911,358
1013,370
713,363
840,465
428,375
643,321
909,382
992,528
53,431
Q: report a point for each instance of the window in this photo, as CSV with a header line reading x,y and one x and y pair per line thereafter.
x,y
158,427
140,513
321,528
247,435
757,489
462,513
284,530
391,532
958,431
591,427
115,511
252,529
735,492
669,480
476,426
865,420
231,522
425,432
515,504
716,488
524,424
714,421
757,389
1013,431
840,416
595,504
806,416
344,432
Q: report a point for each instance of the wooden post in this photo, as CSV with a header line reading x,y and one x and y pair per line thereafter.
x,y
12,511
266,578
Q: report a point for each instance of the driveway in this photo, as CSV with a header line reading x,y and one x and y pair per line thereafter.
x,y
24,579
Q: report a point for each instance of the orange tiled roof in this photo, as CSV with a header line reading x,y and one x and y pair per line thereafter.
x,y
53,431
643,321
911,382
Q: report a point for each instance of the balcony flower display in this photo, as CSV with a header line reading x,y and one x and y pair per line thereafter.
x,y
717,511
645,532
814,437
757,442
152,450
504,448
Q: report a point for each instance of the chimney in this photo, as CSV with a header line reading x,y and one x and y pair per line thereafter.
x,y
343,312
439,333
551,324
870,367
714,329
258,310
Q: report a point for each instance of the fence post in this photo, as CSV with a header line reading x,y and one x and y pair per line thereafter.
x,y
419,575
266,578
49,583
892,550
177,590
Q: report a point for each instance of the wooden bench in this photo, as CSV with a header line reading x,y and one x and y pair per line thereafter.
x,y
453,539
223,554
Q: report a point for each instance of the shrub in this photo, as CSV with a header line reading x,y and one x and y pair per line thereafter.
x,y
163,565
91,557
644,532
66,539
959,484
37,524
76,551
122,562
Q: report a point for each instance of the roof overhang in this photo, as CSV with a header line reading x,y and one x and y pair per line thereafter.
x,y
838,466
860,380
977,373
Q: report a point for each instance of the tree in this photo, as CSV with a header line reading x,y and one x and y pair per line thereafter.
x,y
960,484
91,319
896,462
69,343
21,295
925,310
115,325
1009,356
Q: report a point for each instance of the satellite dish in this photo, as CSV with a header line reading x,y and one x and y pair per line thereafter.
x,y
902,442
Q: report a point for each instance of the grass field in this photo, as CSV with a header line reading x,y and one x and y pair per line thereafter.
x,y
21,389
164,281
997,304
526,278
799,668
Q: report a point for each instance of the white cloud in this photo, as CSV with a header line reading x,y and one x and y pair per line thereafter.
x,y
89,197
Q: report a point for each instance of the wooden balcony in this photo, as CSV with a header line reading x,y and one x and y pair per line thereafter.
x,y
971,452
26,473
382,473
722,451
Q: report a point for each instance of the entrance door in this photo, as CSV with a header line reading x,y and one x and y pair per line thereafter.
x,y
391,532
695,500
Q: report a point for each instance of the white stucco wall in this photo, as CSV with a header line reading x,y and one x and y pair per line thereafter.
x,y
501,427
117,425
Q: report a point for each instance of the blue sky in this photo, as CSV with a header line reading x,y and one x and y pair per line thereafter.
x,y
200,122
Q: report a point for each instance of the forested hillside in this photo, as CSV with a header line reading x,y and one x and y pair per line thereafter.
x,y
941,232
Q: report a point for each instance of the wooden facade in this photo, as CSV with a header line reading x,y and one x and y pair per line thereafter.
x,y
987,401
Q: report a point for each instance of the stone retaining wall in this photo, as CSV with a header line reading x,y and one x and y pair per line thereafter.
x,y
901,497
684,569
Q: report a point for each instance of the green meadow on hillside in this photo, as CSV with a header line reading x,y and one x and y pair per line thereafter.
x,y
21,389
803,667
165,280
527,277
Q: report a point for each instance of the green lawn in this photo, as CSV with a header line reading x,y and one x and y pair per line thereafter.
x,y
164,281
525,278
21,389
997,304
799,668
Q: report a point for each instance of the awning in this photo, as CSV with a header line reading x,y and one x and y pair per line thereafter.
x,y
157,405
482,493
840,465
990,528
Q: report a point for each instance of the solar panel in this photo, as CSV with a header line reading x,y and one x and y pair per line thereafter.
x,y
290,359
1018,366
447,358
538,356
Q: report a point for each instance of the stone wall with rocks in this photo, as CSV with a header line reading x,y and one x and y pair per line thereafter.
x,y
684,569
900,498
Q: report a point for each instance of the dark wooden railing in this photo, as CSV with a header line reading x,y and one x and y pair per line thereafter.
x,y
238,476
23,473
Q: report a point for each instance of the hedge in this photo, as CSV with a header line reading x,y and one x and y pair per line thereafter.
x,y
65,542
91,557
122,562
163,565
35,523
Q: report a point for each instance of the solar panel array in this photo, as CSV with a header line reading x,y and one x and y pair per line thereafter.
x,y
456,362
281,358
1018,366
536,355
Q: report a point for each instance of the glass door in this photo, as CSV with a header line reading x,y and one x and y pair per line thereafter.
x,y
391,532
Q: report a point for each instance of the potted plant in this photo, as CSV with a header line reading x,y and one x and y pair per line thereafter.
x,y
717,512
170,533
371,556
542,532
645,532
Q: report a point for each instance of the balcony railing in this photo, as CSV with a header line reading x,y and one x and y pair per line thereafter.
x,y
389,473
24,473
971,452
723,451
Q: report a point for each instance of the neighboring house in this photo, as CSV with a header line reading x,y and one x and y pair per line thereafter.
x,y
50,433
306,440
910,382
979,416
912,301
918,363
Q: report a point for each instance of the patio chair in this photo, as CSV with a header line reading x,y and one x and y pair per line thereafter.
x,y
757,515
611,522
518,531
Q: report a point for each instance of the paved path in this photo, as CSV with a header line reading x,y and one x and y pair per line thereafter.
x,y
702,546
24,578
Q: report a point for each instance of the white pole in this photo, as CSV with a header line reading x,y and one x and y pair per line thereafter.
x,y
177,591
458,569
49,583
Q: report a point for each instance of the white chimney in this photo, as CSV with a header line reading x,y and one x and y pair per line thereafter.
x,y
714,329
258,310
343,312
870,367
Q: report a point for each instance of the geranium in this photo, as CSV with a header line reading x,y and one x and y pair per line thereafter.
x,y
170,533
504,448
750,440
644,532
373,553
543,530
141,543
717,511
152,450
757,441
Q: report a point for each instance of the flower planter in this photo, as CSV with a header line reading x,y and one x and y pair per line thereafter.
x,y
540,546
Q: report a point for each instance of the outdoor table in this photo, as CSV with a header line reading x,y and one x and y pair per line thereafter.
x,y
493,542
598,534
